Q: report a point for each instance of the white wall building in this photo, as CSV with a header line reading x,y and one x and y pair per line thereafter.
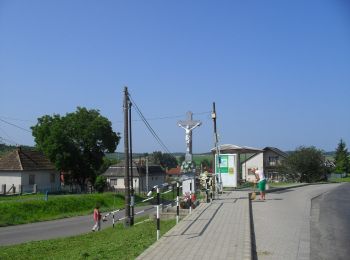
x,y
23,169
142,181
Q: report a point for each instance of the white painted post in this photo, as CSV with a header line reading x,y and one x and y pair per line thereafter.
x,y
158,218
191,197
177,201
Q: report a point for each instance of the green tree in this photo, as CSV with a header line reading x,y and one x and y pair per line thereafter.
x,y
341,158
305,164
100,183
205,164
166,160
181,159
76,143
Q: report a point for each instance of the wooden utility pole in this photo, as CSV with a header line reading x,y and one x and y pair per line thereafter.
x,y
126,161
213,116
132,190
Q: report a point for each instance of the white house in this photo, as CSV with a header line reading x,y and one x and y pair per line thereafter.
x,y
142,181
269,160
231,156
22,170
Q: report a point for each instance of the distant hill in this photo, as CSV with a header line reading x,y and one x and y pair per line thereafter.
x,y
4,148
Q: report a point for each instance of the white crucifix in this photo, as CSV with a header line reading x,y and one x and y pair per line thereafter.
x,y
189,125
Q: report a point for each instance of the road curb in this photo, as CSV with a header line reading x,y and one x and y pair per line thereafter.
x,y
248,239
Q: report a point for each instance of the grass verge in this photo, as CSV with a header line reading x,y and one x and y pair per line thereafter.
x,y
58,206
337,180
117,243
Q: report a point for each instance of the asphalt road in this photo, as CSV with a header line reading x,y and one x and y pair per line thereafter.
x,y
58,228
330,224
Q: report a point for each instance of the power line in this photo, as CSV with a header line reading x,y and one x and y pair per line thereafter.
x,y
16,119
19,127
149,126
8,139
166,117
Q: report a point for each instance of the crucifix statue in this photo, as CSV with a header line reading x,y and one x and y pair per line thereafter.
x,y
189,125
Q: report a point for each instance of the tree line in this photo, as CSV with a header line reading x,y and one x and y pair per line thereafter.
x,y
77,143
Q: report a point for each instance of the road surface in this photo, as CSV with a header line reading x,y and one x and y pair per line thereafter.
x,y
330,224
57,228
282,222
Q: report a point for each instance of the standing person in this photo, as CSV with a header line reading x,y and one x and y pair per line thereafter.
x,y
97,219
260,177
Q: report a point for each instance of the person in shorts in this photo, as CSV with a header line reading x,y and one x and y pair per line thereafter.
x,y
260,178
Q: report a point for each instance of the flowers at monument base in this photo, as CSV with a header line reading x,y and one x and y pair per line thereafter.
x,y
187,166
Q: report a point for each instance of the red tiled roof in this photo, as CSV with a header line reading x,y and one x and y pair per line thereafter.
x,y
25,160
176,170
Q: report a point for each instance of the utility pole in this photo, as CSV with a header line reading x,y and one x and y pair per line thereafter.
x,y
213,116
132,190
147,174
126,162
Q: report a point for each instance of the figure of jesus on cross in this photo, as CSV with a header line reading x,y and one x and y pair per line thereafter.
x,y
189,125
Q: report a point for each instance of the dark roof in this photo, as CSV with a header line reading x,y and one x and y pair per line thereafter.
x,y
117,170
25,160
276,150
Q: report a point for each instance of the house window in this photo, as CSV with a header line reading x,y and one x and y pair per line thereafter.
x,y
31,179
273,160
52,178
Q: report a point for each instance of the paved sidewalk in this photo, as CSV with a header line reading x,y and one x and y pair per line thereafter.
x,y
282,222
217,230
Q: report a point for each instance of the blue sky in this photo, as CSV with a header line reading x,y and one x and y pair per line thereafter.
x,y
279,71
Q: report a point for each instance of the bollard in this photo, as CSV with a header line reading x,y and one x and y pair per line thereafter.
x,y
206,189
158,220
190,197
35,188
177,202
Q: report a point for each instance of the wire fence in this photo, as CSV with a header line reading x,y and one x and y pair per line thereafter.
x,y
163,201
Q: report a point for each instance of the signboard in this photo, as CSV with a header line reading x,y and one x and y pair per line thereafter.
x,y
227,169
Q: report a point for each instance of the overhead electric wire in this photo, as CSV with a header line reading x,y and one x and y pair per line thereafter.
x,y
148,125
8,139
19,127
165,117
16,119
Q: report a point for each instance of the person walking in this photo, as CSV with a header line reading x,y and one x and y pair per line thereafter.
x,y
97,219
260,178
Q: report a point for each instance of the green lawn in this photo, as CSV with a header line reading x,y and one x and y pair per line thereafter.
x,y
33,209
346,179
118,243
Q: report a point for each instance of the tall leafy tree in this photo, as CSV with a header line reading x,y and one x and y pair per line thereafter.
x,y
341,158
166,160
206,164
305,164
76,143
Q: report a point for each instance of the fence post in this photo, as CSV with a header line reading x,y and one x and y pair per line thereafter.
x,y
4,189
191,197
113,220
47,195
13,189
206,189
177,201
158,220
35,188
20,189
